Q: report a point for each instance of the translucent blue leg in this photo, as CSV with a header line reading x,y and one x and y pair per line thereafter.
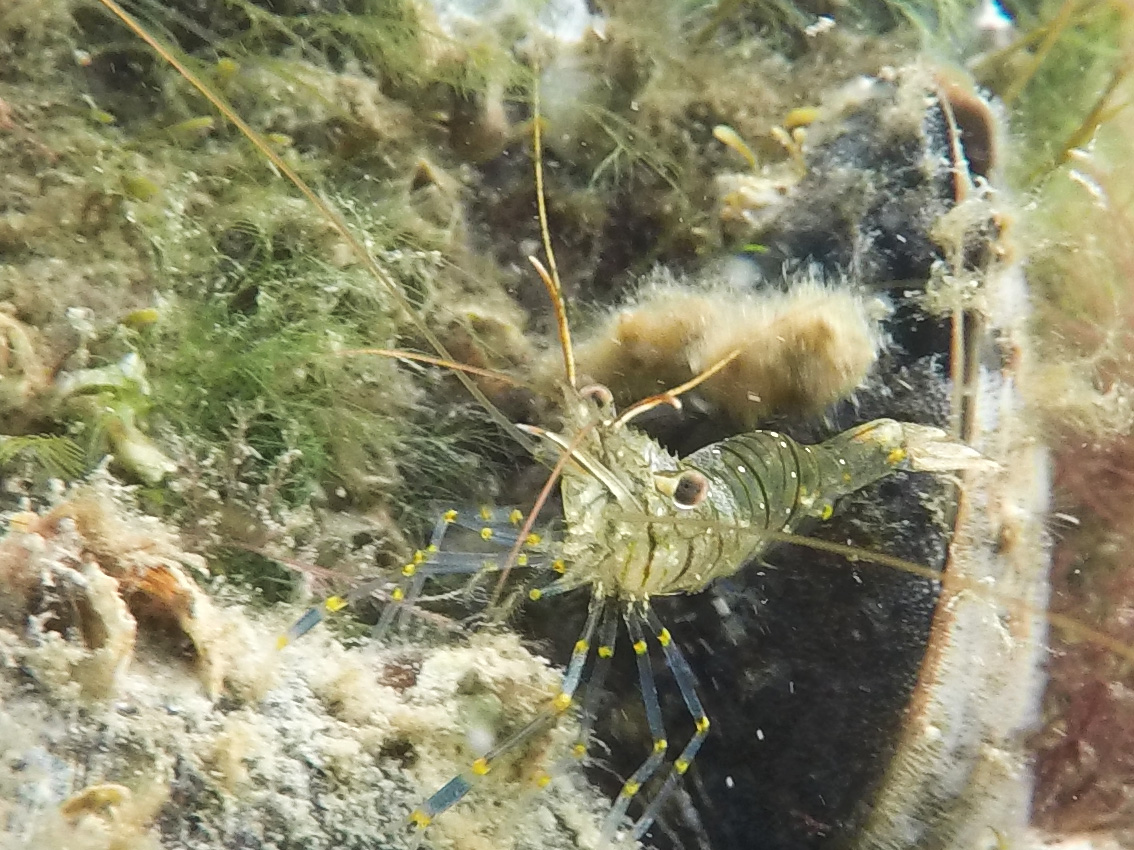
x,y
317,613
635,617
608,633
500,524
497,526
688,687
403,598
456,788
312,617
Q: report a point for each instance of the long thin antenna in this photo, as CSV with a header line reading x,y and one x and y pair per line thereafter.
x,y
400,354
670,397
1069,625
551,281
529,522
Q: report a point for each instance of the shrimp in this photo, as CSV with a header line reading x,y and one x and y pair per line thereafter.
x,y
640,522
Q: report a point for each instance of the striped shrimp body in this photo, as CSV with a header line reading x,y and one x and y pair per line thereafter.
x,y
641,522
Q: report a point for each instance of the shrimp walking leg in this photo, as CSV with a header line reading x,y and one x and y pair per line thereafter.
x,y
495,526
686,683
635,619
456,788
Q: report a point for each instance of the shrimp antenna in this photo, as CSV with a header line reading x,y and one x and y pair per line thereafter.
x,y
332,215
400,354
1068,625
550,280
529,522
670,397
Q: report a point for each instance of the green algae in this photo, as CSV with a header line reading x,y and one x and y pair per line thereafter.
x,y
1064,65
58,456
250,300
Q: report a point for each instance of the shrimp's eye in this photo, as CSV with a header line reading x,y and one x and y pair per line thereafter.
x,y
690,489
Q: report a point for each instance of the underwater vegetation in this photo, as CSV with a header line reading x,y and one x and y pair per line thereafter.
x,y
190,435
